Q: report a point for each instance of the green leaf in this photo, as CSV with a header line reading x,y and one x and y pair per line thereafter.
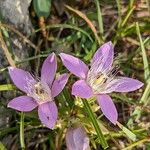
x,y
42,7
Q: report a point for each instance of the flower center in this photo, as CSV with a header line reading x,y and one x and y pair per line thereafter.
x,y
40,91
100,79
97,82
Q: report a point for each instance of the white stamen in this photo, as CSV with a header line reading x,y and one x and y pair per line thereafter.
x,y
40,91
98,77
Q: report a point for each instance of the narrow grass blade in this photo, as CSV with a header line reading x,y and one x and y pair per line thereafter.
x,y
137,143
148,5
88,21
130,134
145,60
3,69
127,16
7,87
25,39
95,124
5,48
145,95
69,27
32,58
119,12
131,2
68,97
144,100
9,130
145,42
99,17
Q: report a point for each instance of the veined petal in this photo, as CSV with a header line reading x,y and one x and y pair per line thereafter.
x,y
103,58
123,84
108,108
74,65
76,139
59,84
48,114
49,69
21,78
69,140
81,89
23,103
80,138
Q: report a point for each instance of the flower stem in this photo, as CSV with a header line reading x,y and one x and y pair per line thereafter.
x,y
95,124
22,131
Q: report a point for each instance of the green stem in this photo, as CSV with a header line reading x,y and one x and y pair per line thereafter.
x,y
95,124
22,131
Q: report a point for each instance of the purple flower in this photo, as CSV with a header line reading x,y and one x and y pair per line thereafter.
x,y
100,79
76,139
40,92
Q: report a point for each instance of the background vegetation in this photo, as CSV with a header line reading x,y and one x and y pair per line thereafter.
x,y
79,28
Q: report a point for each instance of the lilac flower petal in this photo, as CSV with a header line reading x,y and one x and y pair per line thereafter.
x,y
127,84
104,56
21,78
69,140
49,69
108,108
80,139
123,84
74,65
59,84
76,139
23,103
48,114
81,89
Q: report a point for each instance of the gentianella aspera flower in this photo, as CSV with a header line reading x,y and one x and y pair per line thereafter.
x,y
77,139
40,92
99,80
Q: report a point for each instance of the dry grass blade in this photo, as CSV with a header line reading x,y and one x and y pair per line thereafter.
x,y
6,51
83,16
